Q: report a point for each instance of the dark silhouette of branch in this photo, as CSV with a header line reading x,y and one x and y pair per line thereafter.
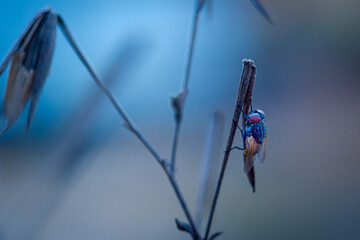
x,y
243,94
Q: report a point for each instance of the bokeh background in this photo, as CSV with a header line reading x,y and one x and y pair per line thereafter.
x,y
78,174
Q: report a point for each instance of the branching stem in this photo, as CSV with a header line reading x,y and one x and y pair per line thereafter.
x,y
128,122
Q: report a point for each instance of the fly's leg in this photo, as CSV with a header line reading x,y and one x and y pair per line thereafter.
x,y
245,116
236,147
243,138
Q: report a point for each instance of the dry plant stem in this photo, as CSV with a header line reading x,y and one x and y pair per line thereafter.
x,y
185,87
128,122
242,94
248,97
96,78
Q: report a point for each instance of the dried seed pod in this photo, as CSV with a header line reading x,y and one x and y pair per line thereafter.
x,y
30,64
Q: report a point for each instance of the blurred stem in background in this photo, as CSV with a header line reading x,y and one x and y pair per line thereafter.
x,y
260,8
209,164
178,102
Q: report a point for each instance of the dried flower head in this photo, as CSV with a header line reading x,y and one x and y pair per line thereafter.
x,y
30,64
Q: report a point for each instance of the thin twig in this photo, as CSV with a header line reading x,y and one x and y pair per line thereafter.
x,y
174,146
191,50
97,80
128,122
185,85
242,93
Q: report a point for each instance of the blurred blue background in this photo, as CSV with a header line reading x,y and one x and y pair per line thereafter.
x,y
78,174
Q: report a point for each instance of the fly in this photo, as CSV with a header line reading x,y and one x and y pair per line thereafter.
x,y
254,138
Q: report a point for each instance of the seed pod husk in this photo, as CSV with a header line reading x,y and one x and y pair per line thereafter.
x,y
30,64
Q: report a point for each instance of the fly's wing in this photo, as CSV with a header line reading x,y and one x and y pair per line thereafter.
x,y
251,149
261,152
251,177
248,163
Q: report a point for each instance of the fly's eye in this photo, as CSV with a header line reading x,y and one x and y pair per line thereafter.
x,y
255,118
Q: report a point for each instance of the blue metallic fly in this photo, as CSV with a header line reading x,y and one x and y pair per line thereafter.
x,y
254,137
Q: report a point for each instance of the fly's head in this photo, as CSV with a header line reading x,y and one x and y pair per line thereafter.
x,y
255,116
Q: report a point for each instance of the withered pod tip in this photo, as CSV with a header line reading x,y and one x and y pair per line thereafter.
x,y
30,65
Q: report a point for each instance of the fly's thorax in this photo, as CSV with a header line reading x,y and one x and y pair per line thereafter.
x,y
257,131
